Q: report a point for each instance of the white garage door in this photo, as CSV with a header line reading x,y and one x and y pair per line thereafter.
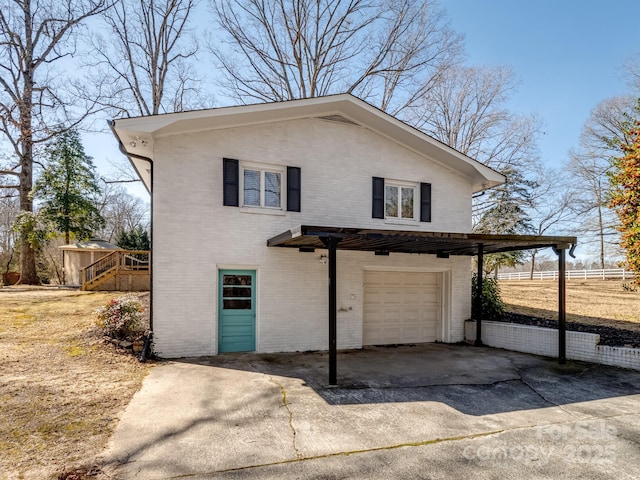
x,y
401,307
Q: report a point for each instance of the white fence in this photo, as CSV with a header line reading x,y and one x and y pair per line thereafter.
x,y
607,273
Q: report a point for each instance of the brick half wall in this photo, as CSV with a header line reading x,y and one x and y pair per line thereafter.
x,y
544,341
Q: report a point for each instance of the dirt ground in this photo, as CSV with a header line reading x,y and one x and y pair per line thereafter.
x,y
591,302
62,387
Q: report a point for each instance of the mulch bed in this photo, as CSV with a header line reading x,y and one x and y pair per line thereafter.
x,y
614,337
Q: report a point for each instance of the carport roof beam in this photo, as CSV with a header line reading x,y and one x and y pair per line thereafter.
x,y
407,241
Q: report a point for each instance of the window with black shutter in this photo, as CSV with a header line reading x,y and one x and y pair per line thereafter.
x,y
261,186
399,201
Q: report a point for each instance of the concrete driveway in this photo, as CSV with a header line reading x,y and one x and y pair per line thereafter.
x,y
431,411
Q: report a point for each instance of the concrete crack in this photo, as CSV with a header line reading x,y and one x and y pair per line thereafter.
x,y
534,390
285,404
355,452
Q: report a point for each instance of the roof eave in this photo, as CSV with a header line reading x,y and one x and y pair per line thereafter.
x,y
136,135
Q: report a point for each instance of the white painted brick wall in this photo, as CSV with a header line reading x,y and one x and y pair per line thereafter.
x,y
544,341
194,235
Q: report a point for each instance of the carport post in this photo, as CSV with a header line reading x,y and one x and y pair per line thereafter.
x,y
562,309
331,243
478,303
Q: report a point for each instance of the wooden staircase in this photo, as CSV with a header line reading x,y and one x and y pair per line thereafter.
x,y
116,266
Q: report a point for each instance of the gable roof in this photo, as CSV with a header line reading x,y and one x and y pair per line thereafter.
x,y
136,135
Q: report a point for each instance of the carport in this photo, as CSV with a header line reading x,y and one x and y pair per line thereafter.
x,y
307,238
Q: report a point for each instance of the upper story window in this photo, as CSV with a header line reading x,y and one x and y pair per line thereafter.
x,y
399,201
261,187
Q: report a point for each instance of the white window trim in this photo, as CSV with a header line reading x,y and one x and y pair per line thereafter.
x,y
262,168
416,202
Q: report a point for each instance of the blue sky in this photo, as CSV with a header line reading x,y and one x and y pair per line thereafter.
x,y
567,55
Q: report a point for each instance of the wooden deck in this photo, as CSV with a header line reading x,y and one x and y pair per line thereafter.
x,y
122,270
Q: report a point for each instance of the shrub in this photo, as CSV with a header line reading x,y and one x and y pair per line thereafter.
x,y
492,304
121,318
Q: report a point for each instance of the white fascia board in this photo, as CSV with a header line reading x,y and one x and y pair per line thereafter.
x,y
137,134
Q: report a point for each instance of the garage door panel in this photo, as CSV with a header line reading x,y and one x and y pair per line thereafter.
x,y
401,307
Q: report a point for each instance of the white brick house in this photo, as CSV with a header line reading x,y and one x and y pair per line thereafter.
x,y
225,181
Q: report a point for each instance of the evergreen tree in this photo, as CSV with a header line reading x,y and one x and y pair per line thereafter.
x,y
625,198
66,186
507,216
136,239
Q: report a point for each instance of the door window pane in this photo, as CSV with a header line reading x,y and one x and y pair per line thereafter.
x,y
236,304
236,292
236,280
272,188
252,188
407,202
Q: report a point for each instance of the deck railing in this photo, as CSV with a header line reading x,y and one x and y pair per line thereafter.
x,y
114,263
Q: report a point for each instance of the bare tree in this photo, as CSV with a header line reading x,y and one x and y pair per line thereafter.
x,y
35,36
551,202
631,71
602,134
8,213
388,52
466,110
121,211
143,63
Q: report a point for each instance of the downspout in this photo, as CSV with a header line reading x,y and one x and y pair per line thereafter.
x,y
146,349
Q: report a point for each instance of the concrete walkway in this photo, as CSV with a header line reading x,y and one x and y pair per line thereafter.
x,y
431,411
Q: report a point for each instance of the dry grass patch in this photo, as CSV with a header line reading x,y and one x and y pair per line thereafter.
x,y
61,387
591,302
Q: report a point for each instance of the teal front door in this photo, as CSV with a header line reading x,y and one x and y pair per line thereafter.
x,y
236,311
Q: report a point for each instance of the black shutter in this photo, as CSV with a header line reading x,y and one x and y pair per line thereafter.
x,y
294,187
377,202
425,202
231,182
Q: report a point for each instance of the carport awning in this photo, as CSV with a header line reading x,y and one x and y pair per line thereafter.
x,y
308,238
405,241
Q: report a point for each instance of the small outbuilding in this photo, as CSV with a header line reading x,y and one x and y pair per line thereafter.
x,y
79,255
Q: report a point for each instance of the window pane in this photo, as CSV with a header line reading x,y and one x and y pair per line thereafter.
x,y
236,280
252,187
236,292
271,189
407,202
391,201
228,304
